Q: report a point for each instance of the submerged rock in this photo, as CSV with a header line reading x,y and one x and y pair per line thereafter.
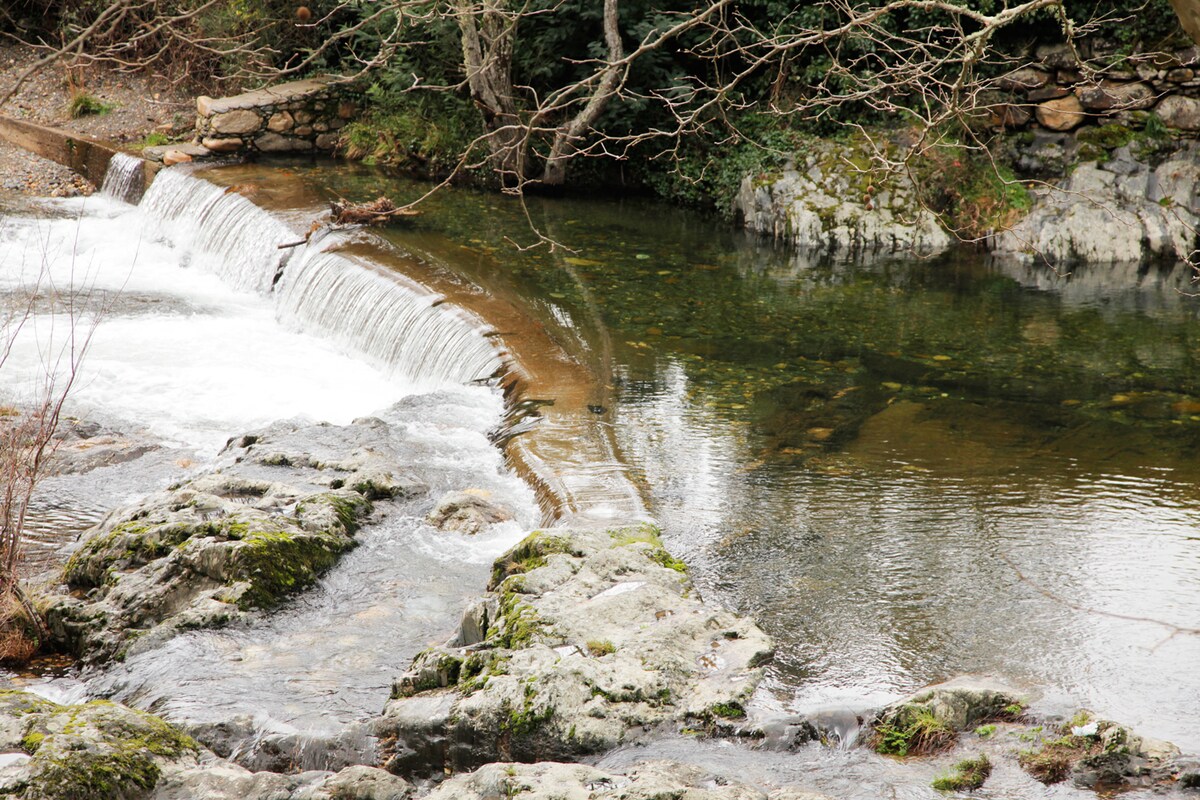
x,y
586,638
466,512
647,781
277,511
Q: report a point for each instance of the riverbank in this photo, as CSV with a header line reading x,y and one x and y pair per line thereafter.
x,y
127,108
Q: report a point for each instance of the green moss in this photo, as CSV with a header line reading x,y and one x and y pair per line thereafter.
x,y
85,105
727,710
520,623
912,730
969,775
32,741
661,557
528,718
277,563
985,731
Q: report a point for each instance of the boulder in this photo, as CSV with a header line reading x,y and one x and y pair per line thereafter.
x,y
466,512
827,206
278,510
586,638
1061,114
1024,79
94,751
1120,211
281,122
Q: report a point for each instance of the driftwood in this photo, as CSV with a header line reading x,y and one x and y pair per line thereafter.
x,y
374,213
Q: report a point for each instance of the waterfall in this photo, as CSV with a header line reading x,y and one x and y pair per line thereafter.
x,y
123,179
225,233
361,306
399,326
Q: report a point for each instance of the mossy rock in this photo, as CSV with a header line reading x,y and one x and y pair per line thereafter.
x,y
94,751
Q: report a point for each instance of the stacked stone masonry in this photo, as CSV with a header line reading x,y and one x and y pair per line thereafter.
x,y
1055,92
298,117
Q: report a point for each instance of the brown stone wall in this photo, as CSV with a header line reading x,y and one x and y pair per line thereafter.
x,y
303,116
1055,93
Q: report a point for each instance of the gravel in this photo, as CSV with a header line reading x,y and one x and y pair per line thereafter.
x,y
140,105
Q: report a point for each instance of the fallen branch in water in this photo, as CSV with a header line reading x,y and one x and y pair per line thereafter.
x,y
374,213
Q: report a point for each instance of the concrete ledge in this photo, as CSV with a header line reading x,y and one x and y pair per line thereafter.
x,y
87,156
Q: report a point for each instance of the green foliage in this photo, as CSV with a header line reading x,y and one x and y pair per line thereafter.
x,y
969,775
912,730
985,731
600,648
424,133
156,139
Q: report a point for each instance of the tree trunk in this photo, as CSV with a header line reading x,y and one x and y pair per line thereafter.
x,y
488,31
607,83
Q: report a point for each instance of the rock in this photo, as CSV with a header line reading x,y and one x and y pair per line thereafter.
x,y
650,780
589,637
1182,113
366,783
1181,75
465,512
1024,79
276,143
1009,115
1099,216
93,751
830,208
1062,114
278,95
222,145
346,109
960,704
204,105
157,152
173,157
278,510
1114,96
280,122
239,122
1050,92
326,141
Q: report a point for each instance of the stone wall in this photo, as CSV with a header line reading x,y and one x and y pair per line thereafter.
x,y
1054,93
301,116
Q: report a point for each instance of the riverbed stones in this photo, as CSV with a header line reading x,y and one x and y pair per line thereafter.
x,y
466,512
588,638
278,510
239,121
649,780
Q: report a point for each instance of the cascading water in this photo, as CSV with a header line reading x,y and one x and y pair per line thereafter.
x,y
202,338
123,180
400,327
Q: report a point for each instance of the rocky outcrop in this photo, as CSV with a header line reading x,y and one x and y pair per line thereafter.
x,y
301,116
586,638
823,202
277,511
651,780
1120,209
1099,754
105,751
